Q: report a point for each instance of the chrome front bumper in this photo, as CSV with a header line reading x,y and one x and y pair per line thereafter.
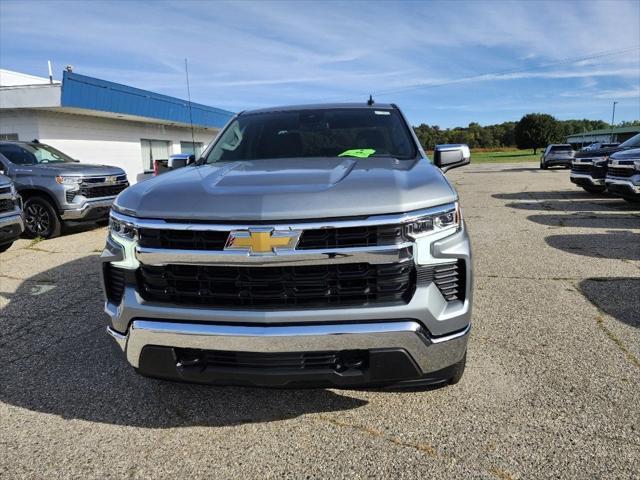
x,y
13,218
623,184
430,353
87,208
585,177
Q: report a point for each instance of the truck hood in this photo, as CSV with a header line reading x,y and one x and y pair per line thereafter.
x,y
633,154
68,168
293,189
600,152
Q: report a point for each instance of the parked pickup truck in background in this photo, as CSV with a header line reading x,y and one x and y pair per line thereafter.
x,y
623,174
313,245
589,167
55,188
11,221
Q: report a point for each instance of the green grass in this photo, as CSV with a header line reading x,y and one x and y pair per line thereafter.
x,y
511,156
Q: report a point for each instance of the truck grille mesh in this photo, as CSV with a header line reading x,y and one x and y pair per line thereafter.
x,y
355,284
103,191
621,172
6,205
581,168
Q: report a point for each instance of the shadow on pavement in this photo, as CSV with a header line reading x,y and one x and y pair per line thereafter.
x,y
588,220
512,169
618,297
552,195
611,204
621,245
57,359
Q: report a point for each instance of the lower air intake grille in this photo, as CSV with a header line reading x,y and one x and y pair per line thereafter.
x,y
114,282
354,284
450,278
273,361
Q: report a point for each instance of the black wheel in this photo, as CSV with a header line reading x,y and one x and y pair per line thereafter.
x,y
594,188
103,222
5,247
632,198
40,218
543,166
458,370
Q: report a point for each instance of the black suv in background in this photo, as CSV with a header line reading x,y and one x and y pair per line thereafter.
x,y
557,155
589,167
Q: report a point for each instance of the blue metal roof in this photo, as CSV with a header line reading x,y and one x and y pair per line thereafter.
x,y
80,91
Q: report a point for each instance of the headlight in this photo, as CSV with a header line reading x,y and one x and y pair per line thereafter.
x,y
600,161
12,190
68,180
122,229
428,224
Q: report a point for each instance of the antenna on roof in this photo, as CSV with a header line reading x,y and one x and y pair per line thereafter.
x,y
370,101
193,140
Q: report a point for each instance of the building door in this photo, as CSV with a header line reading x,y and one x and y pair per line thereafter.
x,y
154,150
191,148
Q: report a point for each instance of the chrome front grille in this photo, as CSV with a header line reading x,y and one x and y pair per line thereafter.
x,y
308,264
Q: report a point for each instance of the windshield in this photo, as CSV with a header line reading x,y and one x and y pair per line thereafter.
x,y
562,148
347,132
32,153
633,142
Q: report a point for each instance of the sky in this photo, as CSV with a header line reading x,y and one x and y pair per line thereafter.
x,y
444,63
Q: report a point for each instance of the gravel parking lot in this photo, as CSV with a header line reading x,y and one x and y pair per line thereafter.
x,y
551,387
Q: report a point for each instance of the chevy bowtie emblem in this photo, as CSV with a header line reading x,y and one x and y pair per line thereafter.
x,y
262,241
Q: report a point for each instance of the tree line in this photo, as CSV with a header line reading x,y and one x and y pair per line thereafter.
x,y
534,130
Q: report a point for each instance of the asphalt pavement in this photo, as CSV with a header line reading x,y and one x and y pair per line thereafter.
x,y
551,388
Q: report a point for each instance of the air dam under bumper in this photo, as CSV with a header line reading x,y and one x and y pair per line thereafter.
x,y
368,353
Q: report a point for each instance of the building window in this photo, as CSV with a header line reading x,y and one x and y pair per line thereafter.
x,y
154,150
191,148
12,137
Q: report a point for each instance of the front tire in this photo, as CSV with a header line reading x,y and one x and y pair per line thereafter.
x,y
41,218
594,188
543,166
5,247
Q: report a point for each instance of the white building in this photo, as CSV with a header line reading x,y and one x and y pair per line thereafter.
x,y
97,121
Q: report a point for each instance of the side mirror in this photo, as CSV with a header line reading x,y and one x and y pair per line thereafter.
x,y
449,156
180,160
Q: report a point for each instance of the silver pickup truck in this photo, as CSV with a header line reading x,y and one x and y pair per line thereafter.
x,y
308,246
56,188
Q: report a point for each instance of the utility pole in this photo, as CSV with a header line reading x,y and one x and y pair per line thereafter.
x,y
613,116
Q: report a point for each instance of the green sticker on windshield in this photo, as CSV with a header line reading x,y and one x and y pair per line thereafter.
x,y
358,152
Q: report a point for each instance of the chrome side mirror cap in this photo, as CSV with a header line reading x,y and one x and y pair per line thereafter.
x,y
449,156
